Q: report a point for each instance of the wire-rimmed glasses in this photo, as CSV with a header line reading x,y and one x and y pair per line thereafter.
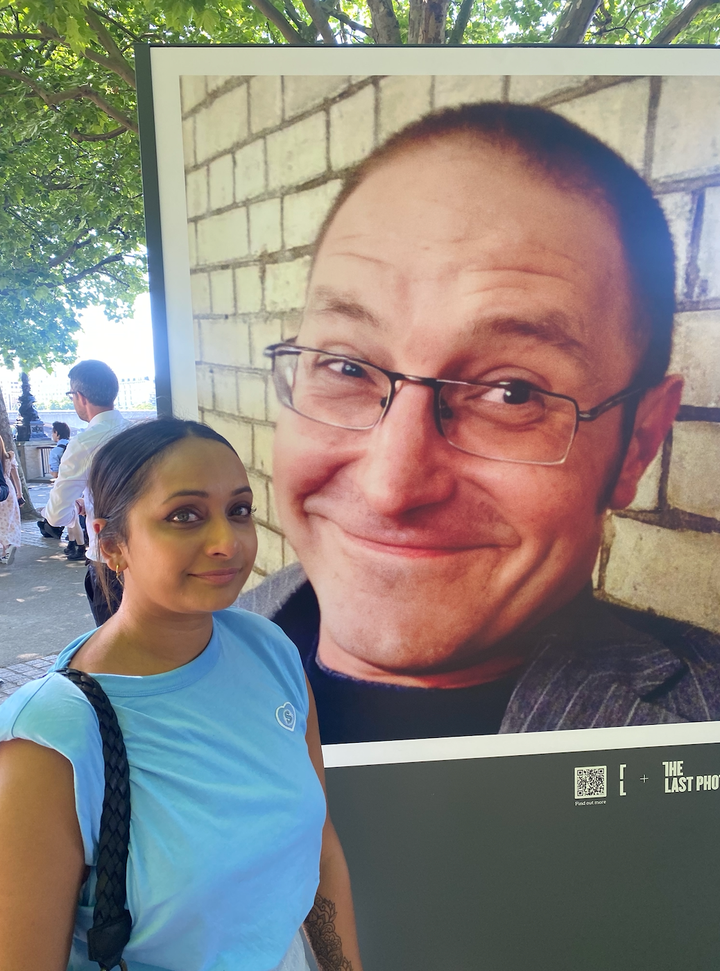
x,y
508,421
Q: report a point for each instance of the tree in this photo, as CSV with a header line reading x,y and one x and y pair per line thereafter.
x,y
71,228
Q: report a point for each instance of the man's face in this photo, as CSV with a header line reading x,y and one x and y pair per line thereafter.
x,y
455,261
80,404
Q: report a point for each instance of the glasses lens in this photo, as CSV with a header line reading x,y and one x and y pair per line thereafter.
x,y
330,389
513,422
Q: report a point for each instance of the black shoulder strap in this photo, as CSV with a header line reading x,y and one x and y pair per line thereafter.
x,y
60,445
111,921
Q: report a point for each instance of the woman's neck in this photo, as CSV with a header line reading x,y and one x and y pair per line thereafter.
x,y
140,642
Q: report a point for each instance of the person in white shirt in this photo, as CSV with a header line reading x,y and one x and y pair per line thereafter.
x,y
94,388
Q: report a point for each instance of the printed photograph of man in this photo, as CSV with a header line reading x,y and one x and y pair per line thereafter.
x,y
481,373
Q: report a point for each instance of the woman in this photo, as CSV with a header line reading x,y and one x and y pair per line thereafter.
x,y
10,532
227,809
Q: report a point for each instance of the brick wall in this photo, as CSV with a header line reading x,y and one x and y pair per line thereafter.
x,y
264,156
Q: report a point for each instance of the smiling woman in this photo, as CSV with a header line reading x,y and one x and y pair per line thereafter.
x,y
230,850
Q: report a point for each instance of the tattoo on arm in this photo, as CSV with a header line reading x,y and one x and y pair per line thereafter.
x,y
324,939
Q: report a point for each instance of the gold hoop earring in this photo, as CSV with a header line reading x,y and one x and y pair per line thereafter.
x,y
118,573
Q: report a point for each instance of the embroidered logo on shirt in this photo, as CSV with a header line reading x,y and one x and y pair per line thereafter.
x,y
286,716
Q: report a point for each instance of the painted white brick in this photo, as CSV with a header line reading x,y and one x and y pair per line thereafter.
x,y
192,91
223,237
297,154
617,115
696,355
252,395
534,87
215,81
269,557
402,100
222,188
352,128
687,134
225,341
304,91
259,486
204,378
196,190
192,244
304,212
250,171
673,572
648,488
225,390
265,102
221,290
188,137
237,432
222,124
265,236
200,293
248,289
678,209
709,254
286,283
694,481
291,324
262,334
263,436
457,89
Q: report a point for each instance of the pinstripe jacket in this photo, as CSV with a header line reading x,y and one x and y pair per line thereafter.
x,y
590,665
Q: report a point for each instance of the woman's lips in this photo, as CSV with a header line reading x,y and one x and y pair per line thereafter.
x,y
216,576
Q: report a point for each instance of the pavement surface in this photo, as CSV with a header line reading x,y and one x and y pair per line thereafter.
x,y
42,604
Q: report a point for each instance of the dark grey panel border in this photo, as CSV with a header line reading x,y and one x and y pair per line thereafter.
x,y
153,235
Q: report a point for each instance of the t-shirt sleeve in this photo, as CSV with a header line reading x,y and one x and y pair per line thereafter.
x,y
53,712
275,650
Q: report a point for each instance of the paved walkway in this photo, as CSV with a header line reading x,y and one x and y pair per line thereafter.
x,y
42,604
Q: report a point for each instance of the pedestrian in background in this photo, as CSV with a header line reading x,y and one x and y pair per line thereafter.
x,y
93,389
61,437
10,532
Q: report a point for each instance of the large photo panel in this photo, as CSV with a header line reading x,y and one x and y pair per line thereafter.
x,y
484,449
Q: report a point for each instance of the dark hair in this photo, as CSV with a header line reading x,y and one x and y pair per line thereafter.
x,y
121,468
575,160
96,381
62,429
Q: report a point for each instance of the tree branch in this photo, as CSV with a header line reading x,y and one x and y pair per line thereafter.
x,y
91,269
68,252
385,23
320,21
269,11
22,37
679,22
344,19
72,94
121,66
461,22
574,21
79,136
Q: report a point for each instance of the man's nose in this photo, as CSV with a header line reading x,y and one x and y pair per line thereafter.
x,y
406,462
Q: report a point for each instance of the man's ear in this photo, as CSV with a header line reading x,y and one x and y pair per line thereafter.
x,y
653,420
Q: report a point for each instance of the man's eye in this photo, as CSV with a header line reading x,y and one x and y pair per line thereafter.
x,y
184,516
347,369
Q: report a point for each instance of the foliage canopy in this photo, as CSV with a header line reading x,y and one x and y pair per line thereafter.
x,y
71,224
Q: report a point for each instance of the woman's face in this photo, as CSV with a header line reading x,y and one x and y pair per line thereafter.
x,y
191,541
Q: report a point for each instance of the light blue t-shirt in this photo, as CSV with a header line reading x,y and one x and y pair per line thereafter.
x,y
227,811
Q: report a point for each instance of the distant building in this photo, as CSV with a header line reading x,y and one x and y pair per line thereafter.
x,y
134,393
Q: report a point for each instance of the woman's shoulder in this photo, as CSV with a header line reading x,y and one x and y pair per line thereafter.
x,y
49,710
261,637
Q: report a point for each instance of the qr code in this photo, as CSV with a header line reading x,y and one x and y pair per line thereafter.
x,y
591,782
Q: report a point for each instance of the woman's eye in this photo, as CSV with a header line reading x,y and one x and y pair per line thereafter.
x,y
243,511
184,516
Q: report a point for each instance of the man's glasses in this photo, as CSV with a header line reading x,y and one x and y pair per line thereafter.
x,y
70,394
509,421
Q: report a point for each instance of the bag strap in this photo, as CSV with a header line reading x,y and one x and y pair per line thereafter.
x,y
111,920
